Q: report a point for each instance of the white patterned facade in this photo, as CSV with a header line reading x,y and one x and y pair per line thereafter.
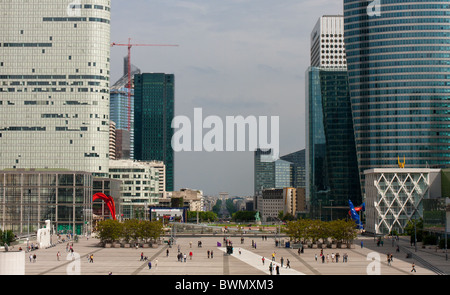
x,y
395,196
54,84
327,43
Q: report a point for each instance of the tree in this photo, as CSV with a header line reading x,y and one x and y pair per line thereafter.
x,y
202,215
109,230
6,237
342,230
244,216
150,230
130,230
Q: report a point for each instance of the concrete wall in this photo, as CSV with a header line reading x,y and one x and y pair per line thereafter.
x,y
12,263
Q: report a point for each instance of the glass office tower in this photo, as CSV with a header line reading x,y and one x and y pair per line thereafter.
x,y
154,108
398,62
332,174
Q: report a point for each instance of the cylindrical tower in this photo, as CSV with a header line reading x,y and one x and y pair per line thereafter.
x,y
398,57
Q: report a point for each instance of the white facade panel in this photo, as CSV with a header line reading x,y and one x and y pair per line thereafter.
x,y
54,91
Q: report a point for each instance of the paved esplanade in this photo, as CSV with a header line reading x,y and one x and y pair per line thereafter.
x,y
246,260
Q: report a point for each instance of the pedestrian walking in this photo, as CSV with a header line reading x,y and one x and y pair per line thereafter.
x,y
184,257
142,256
281,261
413,267
277,269
34,258
208,253
270,268
58,255
315,256
149,265
190,255
263,259
212,254
288,263
167,253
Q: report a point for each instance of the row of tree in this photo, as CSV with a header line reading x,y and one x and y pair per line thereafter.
x,y
304,230
109,231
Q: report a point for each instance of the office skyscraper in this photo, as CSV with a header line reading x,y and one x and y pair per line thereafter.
x,y
397,55
298,167
332,177
122,112
154,108
54,93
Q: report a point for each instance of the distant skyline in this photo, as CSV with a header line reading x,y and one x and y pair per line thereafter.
x,y
235,57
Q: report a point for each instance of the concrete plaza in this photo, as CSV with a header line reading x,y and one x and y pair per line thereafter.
x,y
245,260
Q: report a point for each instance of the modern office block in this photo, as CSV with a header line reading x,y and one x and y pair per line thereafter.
x,y
298,167
332,176
140,187
267,175
29,197
397,56
122,110
54,93
153,114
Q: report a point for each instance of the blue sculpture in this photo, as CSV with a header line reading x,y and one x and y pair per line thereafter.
x,y
355,215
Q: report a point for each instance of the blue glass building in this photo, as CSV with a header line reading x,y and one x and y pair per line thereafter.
x,y
398,65
332,172
154,110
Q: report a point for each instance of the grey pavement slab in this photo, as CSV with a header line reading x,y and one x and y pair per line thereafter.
x,y
369,259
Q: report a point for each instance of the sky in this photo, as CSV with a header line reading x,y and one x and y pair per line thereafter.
x,y
234,58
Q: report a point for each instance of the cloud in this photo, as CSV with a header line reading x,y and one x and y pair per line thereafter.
x,y
234,57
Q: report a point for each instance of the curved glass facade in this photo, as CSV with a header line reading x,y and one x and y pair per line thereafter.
x,y
398,66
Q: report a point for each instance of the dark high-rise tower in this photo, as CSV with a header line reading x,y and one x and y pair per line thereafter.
x,y
154,108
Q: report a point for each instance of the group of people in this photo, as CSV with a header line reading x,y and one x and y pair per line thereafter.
x,y
334,257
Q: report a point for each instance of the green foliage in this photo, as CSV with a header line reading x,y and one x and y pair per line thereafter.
x,y
216,207
112,230
416,231
6,237
315,230
231,208
203,216
177,202
109,230
244,216
130,230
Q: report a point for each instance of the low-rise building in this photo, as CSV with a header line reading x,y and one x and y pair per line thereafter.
x,y
395,196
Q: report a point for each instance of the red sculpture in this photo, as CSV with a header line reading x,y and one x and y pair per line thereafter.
x,y
109,201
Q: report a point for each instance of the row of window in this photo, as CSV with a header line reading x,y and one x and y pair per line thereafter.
x,y
409,7
398,70
76,19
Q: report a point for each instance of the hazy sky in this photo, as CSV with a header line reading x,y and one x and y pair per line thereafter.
x,y
235,57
